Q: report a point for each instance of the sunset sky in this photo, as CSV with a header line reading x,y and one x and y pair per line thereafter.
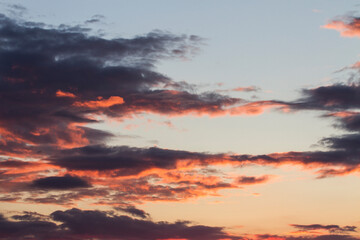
x,y
180,120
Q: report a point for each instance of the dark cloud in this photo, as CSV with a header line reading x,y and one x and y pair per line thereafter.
x,y
321,237
24,229
14,164
124,160
246,180
335,237
349,122
301,158
96,136
127,160
77,224
30,216
60,183
53,80
334,97
72,196
133,211
349,143
113,191
99,224
330,228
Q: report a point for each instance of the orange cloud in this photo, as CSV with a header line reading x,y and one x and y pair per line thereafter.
x,y
255,108
60,93
76,137
101,103
349,27
343,114
246,89
172,239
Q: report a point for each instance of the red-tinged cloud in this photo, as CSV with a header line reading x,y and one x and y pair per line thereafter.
x,y
256,108
127,161
54,81
179,178
100,103
246,89
132,174
19,171
158,187
138,175
60,93
348,26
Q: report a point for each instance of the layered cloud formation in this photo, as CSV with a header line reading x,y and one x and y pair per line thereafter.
x,y
79,224
55,81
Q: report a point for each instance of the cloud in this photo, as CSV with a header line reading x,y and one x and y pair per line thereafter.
x,y
138,175
240,89
30,216
133,211
81,224
113,100
336,97
246,180
348,26
127,160
349,121
60,183
21,229
99,224
15,10
329,228
349,143
95,19
246,89
50,79
60,93
76,224
55,80
322,237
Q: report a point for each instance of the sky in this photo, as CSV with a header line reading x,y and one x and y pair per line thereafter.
x,y
180,120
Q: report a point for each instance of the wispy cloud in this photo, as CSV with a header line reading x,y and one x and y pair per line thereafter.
x,y
329,228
